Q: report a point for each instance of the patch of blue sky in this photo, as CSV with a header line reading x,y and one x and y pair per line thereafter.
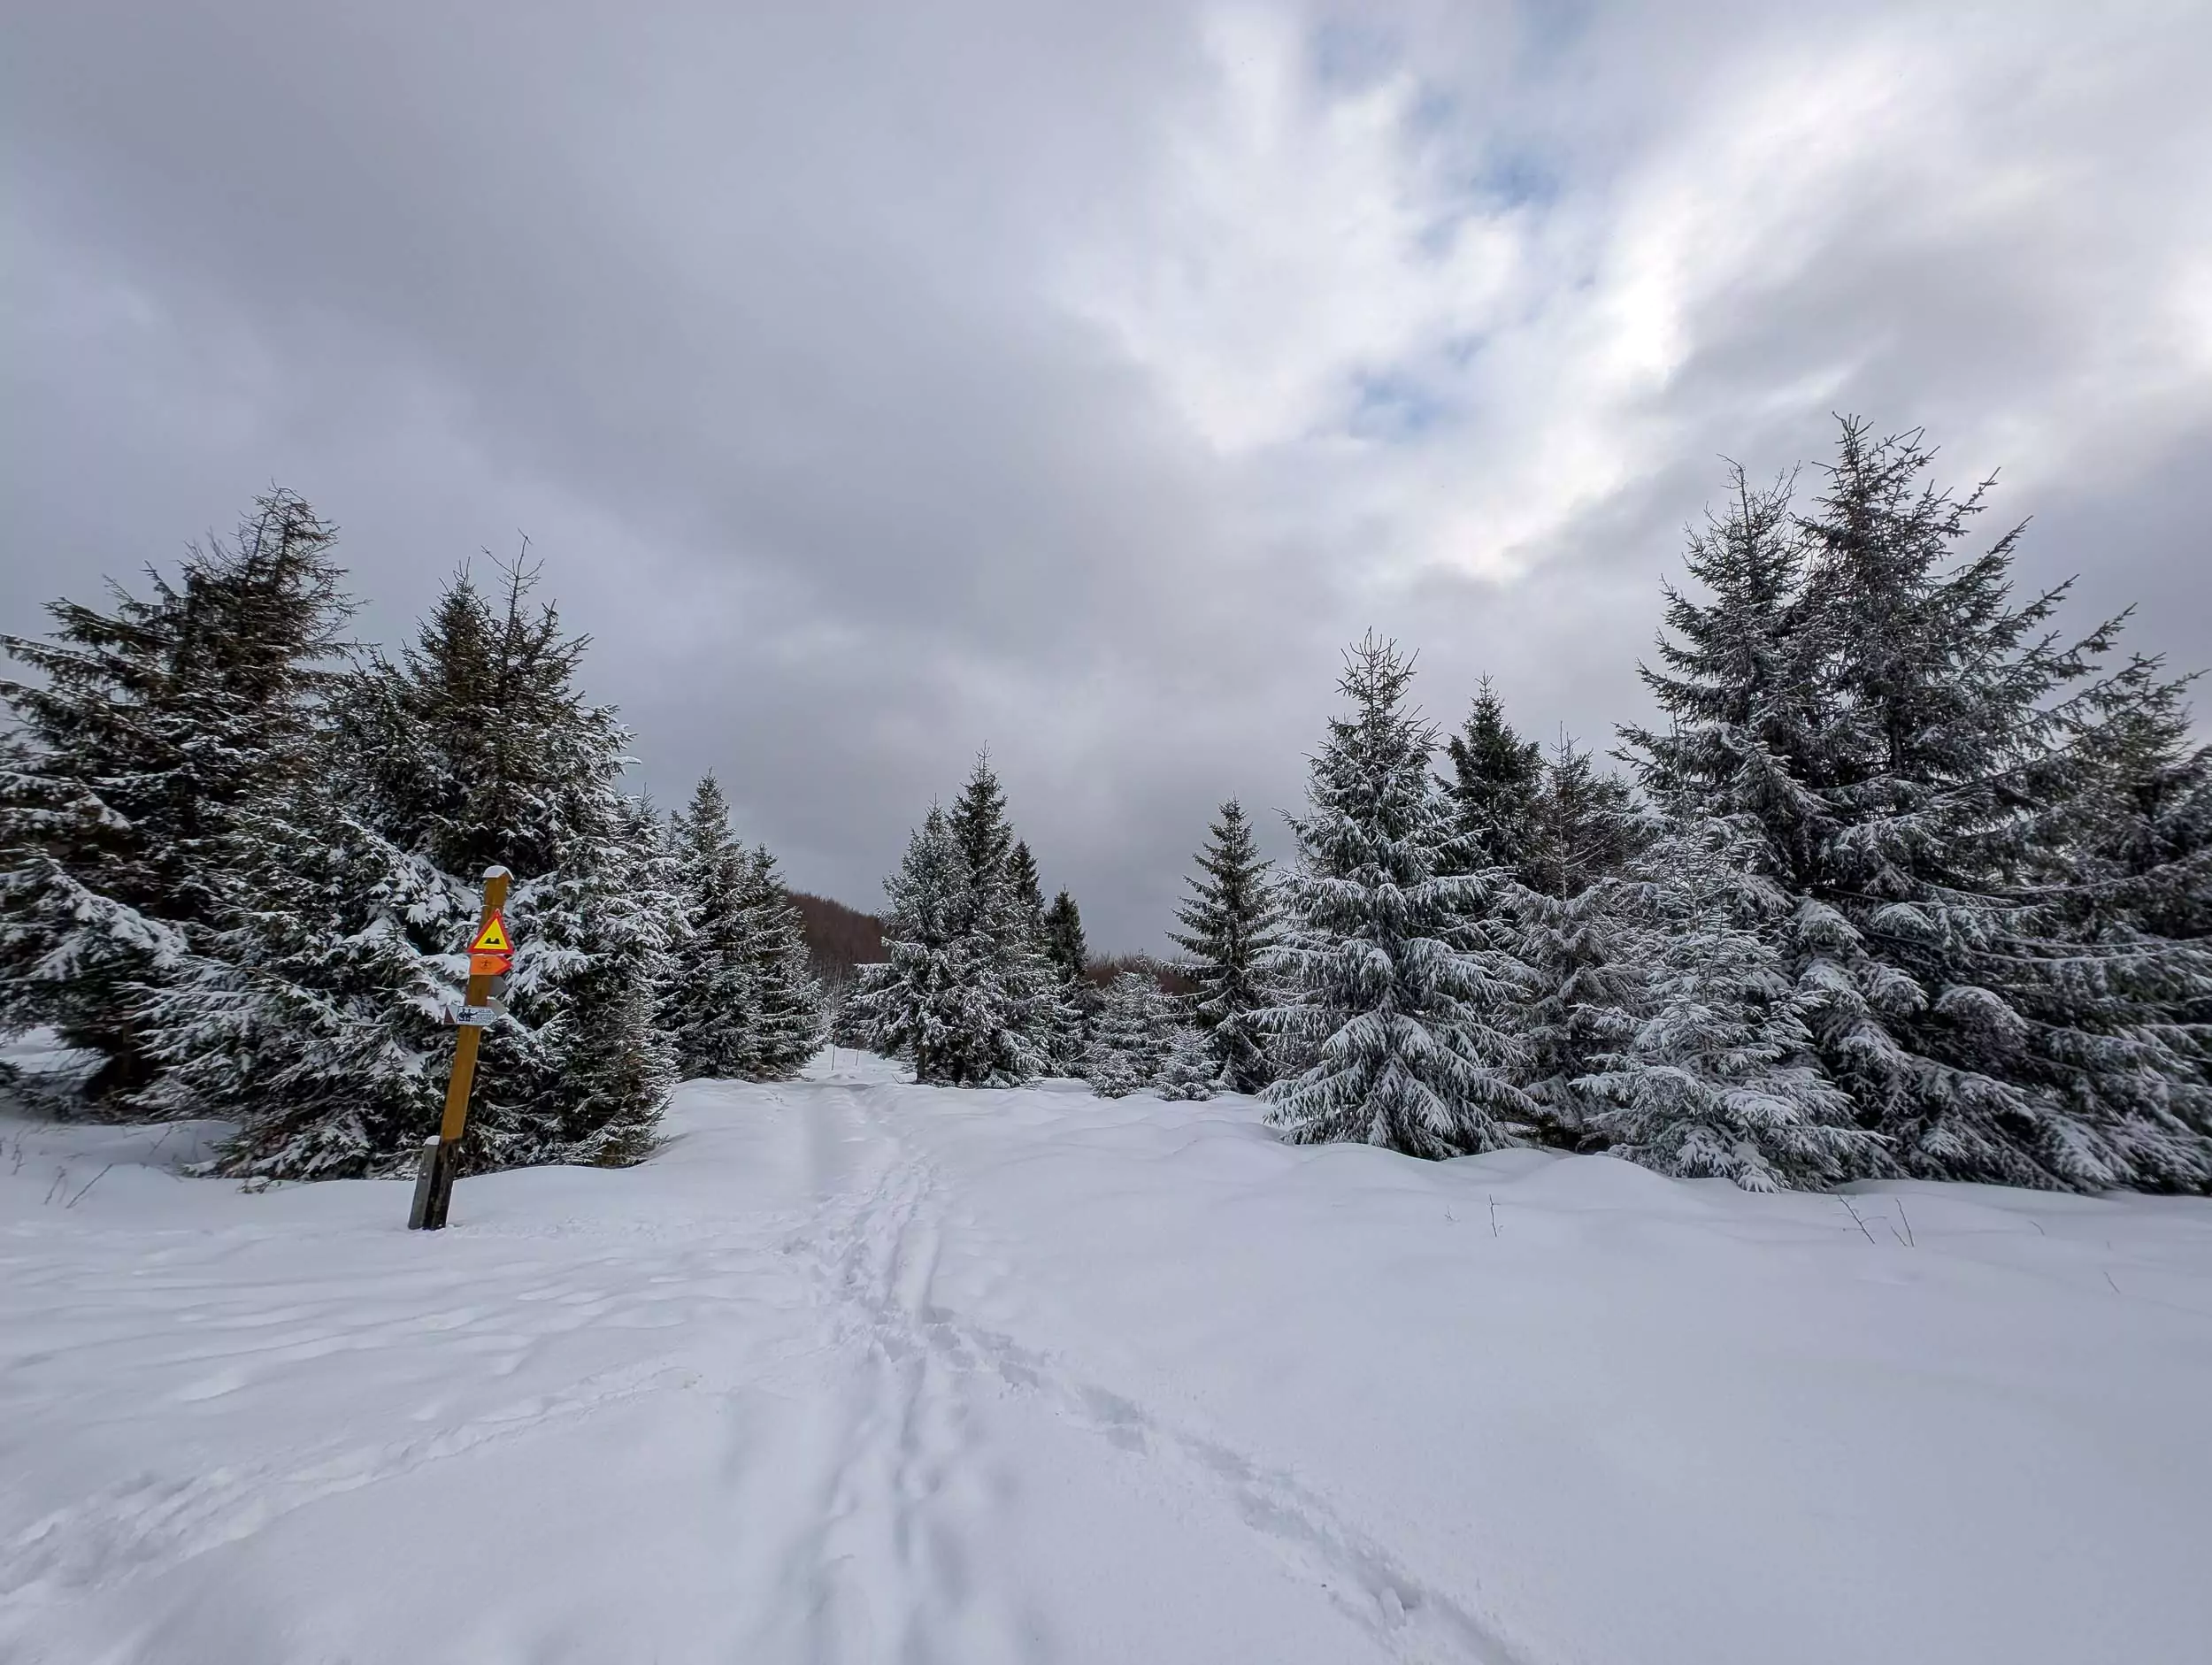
x,y
1397,406
1515,176
1502,184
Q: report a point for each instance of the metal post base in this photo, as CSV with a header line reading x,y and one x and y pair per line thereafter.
x,y
434,1185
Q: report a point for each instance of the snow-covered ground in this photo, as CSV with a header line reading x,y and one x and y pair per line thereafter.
x,y
862,1371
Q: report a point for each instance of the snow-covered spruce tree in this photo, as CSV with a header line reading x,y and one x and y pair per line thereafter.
x,y
1718,1078
1188,1069
2135,862
660,874
153,732
474,748
787,997
1586,826
1495,783
1229,929
313,1016
1067,955
1569,923
2142,845
1056,1024
1937,744
2034,1055
908,1004
1744,681
1130,1036
592,1081
1029,891
1065,945
1394,983
991,1034
608,1062
710,1008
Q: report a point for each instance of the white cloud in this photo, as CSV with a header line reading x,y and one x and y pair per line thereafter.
x,y
1300,243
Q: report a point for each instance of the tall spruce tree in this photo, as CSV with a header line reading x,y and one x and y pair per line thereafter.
x,y
1495,783
711,1006
1029,891
2142,845
1065,945
1912,742
156,733
1229,929
1716,1078
1744,681
1067,956
1394,988
1055,1013
607,1061
992,1039
787,997
909,1003
1568,922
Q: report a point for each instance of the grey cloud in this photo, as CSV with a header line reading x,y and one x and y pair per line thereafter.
x,y
752,317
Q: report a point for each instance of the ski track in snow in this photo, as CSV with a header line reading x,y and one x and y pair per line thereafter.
x,y
881,1264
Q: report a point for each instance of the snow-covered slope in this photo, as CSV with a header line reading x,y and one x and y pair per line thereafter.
x,y
861,1371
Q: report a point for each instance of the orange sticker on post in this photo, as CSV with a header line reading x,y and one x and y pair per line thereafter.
x,y
492,953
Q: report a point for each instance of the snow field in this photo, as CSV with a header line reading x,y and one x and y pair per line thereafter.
x,y
855,1370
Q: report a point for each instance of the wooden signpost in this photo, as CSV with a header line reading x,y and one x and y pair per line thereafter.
x,y
491,957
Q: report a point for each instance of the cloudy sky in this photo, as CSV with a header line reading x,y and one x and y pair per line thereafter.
x,y
880,383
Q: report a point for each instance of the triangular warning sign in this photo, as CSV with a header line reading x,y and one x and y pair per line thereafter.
x,y
492,938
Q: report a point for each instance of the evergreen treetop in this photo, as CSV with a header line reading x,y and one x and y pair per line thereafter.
x,y
1927,745
1029,895
711,1003
787,997
1064,942
481,747
910,1003
1230,928
1743,675
1582,826
1395,992
154,733
1496,781
992,1039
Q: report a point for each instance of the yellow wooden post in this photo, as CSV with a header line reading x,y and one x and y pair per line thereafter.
x,y
488,965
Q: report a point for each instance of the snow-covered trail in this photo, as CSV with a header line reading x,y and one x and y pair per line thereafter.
x,y
855,1372
730,1422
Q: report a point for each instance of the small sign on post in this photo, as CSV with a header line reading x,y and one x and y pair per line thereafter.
x,y
491,957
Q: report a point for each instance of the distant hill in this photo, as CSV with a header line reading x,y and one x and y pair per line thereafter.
x,y
1172,978
841,937
838,937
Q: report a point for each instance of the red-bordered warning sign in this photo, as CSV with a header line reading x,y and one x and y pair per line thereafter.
x,y
492,953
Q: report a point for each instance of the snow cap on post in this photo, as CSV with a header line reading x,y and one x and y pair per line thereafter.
x,y
496,871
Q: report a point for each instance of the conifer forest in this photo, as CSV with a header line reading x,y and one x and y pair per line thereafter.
x,y
1911,877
